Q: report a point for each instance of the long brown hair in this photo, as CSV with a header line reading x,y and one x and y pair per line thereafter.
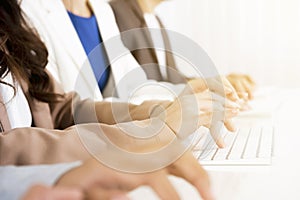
x,y
22,52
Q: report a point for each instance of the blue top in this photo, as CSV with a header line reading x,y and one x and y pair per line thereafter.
x,y
90,37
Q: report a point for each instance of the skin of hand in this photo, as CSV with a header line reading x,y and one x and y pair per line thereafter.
x,y
98,181
219,85
188,112
106,111
39,192
243,84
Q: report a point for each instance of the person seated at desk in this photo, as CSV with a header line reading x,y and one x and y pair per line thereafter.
x,y
74,32
136,14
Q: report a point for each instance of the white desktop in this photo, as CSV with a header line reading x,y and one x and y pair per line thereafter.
x,y
279,108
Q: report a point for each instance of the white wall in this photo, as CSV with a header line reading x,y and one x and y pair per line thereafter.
x,y
260,37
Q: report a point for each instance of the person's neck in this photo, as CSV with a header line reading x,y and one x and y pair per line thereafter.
x,y
78,7
148,6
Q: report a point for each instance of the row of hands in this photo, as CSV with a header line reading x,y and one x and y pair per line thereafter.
x,y
93,180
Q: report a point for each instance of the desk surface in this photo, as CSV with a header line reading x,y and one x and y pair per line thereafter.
x,y
279,181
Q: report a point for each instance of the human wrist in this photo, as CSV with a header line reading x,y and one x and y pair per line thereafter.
x,y
168,115
159,109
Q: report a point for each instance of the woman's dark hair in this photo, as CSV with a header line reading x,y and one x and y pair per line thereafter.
x,y
22,52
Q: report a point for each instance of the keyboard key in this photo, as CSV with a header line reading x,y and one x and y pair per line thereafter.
x,y
266,143
239,144
209,149
245,147
199,140
252,143
197,154
221,154
217,131
209,154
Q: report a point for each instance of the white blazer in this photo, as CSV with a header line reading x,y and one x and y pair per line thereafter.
x,y
67,59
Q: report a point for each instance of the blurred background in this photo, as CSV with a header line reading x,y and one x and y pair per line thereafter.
x,y
259,37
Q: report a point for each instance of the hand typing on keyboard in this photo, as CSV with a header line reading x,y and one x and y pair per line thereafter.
x,y
222,90
187,113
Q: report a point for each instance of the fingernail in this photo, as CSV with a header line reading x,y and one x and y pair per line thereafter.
x,y
221,143
228,90
233,129
211,195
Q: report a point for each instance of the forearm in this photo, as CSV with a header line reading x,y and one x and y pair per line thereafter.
x,y
24,146
123,112
114,112
138,136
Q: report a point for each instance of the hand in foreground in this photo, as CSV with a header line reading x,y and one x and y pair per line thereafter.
x,y
243,84
97,181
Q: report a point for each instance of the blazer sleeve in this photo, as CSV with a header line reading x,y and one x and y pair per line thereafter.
x,y
111,113
27,146
72,110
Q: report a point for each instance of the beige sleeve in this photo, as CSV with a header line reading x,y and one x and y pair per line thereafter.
x,y
114,112
27,146
71,110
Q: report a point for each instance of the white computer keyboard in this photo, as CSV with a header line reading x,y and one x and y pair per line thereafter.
x,y
246,146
